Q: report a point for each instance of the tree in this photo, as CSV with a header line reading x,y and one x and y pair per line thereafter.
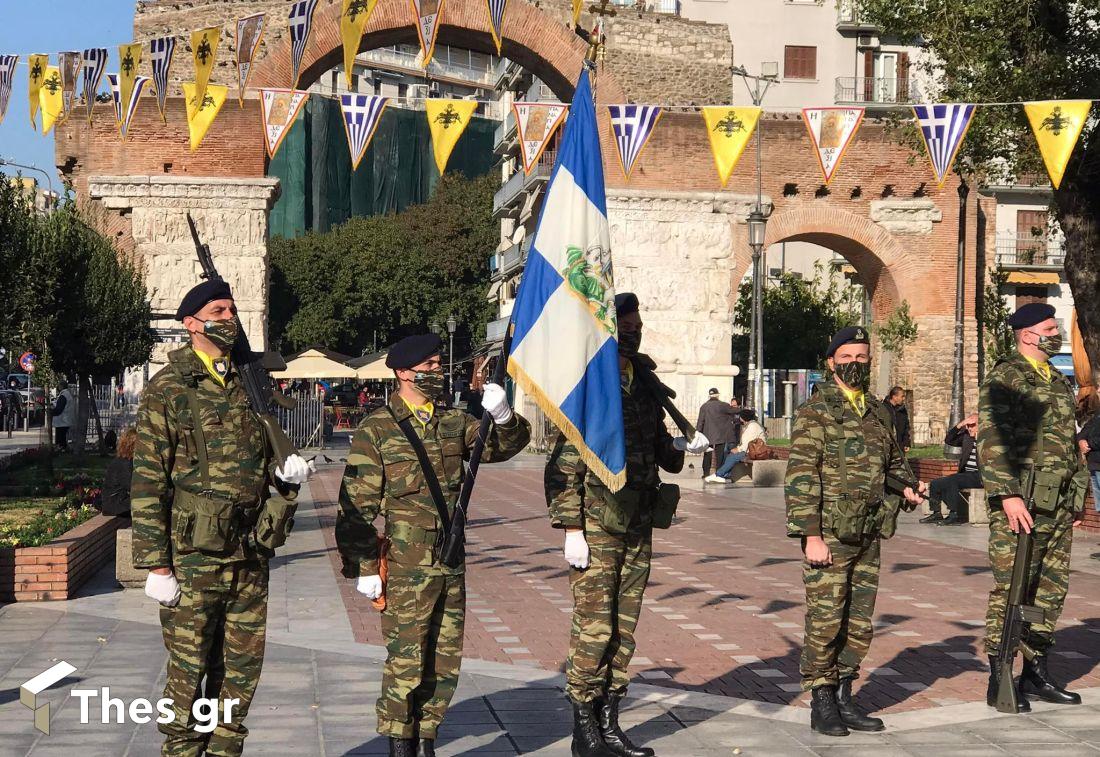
x,y
800,318
999,339
389,276
1018,50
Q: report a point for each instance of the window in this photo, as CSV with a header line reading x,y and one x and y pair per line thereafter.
x,y
799,62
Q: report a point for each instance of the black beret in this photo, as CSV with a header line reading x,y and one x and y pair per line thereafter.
x,y
200,294
848,335
626,303
1031,314
413,350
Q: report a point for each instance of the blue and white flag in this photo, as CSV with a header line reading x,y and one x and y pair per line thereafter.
x,y
7,76
95,61
565,351
160,53
361,116
301,22
124,113
632,126
496,21
943,128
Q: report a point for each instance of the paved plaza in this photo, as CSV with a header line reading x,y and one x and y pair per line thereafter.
x,y
717,662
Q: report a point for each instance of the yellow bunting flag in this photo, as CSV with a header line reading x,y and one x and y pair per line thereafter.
x,y
578,6
204,49
129,58
729,130
37,65
51,98
1057,125
354,16
447,119
201,113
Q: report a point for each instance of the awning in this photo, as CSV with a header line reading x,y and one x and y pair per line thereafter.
x,y
1032,278
313,364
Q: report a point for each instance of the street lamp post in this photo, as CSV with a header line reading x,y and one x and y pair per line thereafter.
x,y
452,324
960,282
49,181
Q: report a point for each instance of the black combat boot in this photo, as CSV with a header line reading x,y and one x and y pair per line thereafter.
x,y
607,712
1036,681
824,714
587,741
849,714
1022,705
402,747
426,748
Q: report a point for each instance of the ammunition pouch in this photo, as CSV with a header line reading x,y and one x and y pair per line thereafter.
x,y
275,523
887,516
664,506
1049,488
618,510
1075,496
413,546
848,519
204,522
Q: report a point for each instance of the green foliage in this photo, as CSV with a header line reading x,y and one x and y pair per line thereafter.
x,y
999,339
800,318
391,275
898,331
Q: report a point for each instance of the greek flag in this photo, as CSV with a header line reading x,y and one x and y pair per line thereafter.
x,y
301,21
7,76
943,128
633,125
124,112
160,53
564,345
95,61
361,116
496,20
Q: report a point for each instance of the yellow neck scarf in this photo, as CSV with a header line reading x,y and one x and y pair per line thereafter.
x,y
422,413
857,399
1042,368
218,368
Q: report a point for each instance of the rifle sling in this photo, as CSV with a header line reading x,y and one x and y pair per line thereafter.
x,y
429,471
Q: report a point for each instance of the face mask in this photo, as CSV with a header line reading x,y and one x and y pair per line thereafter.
x,y
1050,345
222,333
629,342
429,383
854,374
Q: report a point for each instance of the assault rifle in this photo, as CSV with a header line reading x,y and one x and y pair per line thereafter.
x,y
253,368
1016,614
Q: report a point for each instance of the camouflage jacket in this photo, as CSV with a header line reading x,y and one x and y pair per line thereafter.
x,y
1023,418
571,488
383,476
839,463
167,460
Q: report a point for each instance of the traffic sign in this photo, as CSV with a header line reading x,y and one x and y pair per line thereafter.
x,y
26,362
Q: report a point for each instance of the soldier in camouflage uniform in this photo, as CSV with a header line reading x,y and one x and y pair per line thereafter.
x,y
425,600
608,543
200,489
845,482
1026,429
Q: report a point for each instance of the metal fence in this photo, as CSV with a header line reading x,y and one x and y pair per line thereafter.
x,y
305,423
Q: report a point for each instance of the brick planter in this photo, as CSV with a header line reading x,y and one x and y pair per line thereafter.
x,y
56,570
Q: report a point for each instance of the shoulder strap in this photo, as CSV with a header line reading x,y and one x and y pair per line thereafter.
x,y
200,436
428,469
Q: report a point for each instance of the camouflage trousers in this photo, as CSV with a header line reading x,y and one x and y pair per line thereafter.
x,y
607,600
216,633
840,602
1052,539
422,625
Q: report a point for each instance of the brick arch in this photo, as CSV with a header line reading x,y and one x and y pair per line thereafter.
x,y
537,40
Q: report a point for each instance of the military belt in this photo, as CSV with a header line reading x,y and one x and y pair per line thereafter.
x,y
411,534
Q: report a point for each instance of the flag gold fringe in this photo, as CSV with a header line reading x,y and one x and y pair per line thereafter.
x,y
613,481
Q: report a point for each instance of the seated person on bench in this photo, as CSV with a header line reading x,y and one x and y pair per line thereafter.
x,y
949,488
750,430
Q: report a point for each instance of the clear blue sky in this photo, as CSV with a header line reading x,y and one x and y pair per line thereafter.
x,y
50,26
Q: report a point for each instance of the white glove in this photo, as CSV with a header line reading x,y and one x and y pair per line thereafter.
x,y
164,589
370,586
696,446
495,402
295,470
576,549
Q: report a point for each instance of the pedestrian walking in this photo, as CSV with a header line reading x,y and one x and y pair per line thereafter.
x,y
717,420
64,415
899,416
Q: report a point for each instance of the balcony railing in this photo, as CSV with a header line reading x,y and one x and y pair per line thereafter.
x,y
495,330
1027,250
859,90
507,129
412,62
520,182
514,257
671,7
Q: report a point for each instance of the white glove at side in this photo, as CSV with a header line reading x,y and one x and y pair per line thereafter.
x,y
164,589
295,470
495,402
576,549
369,586
696,446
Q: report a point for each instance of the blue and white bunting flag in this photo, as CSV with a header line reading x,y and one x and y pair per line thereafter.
x,y
362,114
124,114
7,76
95,61
301,22
565,351
632,126
943,128
160,53
496,21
